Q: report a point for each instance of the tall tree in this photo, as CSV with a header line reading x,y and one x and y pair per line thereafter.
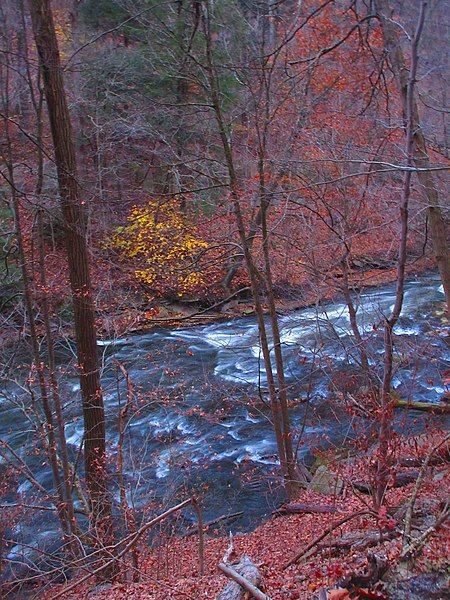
x,y
420,153
78,262
386,401
274,373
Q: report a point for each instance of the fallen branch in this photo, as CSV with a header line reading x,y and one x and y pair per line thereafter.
x,y
401,479
357,541
327,531
201,312
37,507
298,508
438,409
224,518
440,459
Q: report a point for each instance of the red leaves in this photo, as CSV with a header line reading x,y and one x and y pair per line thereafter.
x,y
384,520
268,546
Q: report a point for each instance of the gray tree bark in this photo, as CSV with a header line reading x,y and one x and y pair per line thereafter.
x,y
420,153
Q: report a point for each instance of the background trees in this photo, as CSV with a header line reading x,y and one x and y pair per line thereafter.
x,y
421,156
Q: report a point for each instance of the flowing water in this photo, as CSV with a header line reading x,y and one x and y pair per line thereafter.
x,y
199,421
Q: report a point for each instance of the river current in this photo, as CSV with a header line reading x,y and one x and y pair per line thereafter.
x,y
199,421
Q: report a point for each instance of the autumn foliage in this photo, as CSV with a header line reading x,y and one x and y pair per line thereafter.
x,y
162,243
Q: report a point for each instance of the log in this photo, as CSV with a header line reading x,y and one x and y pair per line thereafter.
x,y
245,577
358,540
354,540
222,519
401,479
298,508
437,409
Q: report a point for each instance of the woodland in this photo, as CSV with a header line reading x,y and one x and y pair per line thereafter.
x,y
224,299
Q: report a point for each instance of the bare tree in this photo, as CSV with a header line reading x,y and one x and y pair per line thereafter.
x,y
277,394
421,159
78,261
386,401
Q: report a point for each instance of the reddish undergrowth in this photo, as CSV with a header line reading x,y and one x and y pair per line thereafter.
x,y
173,572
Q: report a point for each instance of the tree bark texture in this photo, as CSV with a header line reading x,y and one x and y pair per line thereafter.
x,y
420,153
77,256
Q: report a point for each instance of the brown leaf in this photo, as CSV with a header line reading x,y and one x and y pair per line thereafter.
x,y
338,594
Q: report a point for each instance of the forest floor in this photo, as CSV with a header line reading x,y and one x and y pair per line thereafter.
x,y
171,571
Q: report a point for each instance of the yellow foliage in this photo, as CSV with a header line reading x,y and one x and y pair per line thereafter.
x,y
163,244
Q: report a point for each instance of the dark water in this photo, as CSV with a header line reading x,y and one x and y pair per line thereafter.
x,y
199,422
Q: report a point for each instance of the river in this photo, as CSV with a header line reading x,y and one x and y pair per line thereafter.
x,y
199,422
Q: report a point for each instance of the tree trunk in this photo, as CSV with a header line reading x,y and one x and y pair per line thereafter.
x,y
386,400
48,426
420,153
77,256
280,428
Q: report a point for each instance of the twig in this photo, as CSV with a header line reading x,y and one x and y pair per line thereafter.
x,y
332,527
201,541
419,542
409,512
208,524
229,552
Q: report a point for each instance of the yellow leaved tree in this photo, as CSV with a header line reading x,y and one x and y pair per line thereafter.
x,y
164,248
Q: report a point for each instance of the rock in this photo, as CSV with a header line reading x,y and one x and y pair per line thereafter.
x,y
439,476
326,482
229,306
427,586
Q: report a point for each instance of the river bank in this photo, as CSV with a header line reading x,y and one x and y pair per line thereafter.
x,y
170,570
162,313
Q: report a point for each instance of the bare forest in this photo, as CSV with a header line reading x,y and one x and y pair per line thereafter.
x,y
224,299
